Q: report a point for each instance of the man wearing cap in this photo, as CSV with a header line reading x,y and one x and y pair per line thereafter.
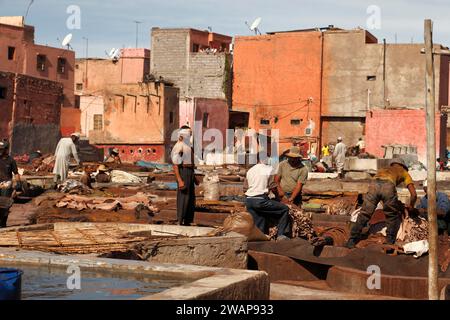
x,y
102,175
442,208
339,156
8,169
184,169
291,177
64,150
384,188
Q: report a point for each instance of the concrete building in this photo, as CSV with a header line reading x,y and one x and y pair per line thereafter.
x,y
199,63
93,76
138,119
277,80
23,56
319,84
122,108
377,90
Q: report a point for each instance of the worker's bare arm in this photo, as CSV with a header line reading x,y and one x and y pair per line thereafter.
x,y
413,193
180,181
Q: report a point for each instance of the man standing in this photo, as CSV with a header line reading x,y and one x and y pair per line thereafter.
x,y
384,188
339,157
442,208
291,177
258,203
184,169
8,169
65,148
361,146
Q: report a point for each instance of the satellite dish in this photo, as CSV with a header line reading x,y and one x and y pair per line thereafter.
x,y
111,52
255,24
116,53
66,40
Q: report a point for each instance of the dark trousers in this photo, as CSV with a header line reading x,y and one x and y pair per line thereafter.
x,y
385,191
186,197
262,208
297,200
4,212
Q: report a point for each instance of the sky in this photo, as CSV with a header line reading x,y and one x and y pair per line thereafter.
x,y
110,24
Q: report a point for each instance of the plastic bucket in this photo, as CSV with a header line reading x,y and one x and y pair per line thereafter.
x,y
10,284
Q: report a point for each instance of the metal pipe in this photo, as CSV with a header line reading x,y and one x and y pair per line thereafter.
x,y
433,285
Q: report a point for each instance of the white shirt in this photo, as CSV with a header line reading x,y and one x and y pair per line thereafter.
x,y
361,144
181,154
258,180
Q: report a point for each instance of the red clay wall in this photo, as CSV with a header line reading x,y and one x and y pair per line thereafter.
x,y
70,121
217,110
133,153
406,127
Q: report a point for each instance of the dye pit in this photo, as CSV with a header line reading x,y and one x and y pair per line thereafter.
x,y
50,283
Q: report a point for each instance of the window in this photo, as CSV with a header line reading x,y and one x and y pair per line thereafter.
x,y
205,120
61,65
98,122
77,66
40,62
79,86
265,121
295,122
371,78
195,48
11,53
171,117
308,131
2,93
77,101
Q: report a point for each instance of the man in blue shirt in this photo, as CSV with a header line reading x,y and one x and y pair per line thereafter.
x,y
442,208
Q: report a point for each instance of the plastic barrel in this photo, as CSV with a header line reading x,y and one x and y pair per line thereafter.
x,y
10,284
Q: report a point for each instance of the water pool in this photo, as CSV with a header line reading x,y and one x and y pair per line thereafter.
x,y
50,283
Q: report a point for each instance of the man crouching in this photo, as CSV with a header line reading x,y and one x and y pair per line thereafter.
x,y
258,204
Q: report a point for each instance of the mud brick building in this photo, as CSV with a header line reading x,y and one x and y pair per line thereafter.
x,y
22,56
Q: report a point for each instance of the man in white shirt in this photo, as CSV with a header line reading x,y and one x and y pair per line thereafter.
x,y
258,203
339,157
184,170
64,150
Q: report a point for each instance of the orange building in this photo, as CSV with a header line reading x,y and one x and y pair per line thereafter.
x,y
277,80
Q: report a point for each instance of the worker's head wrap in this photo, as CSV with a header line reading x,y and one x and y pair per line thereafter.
x,y
76,135
185,135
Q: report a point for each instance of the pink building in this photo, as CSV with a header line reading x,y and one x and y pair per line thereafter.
x,y
26,57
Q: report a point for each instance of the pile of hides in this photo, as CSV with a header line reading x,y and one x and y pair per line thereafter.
x,y
139,201
338,236
118,176
413,230
73,187
302,226
242,223
340,208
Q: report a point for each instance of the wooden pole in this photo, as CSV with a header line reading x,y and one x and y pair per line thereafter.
x,y
433,287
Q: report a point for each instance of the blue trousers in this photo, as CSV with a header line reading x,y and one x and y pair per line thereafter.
x,y
262,209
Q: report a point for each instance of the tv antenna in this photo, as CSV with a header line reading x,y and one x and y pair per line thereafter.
x,y
66,41
254,26
28,9
137,30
